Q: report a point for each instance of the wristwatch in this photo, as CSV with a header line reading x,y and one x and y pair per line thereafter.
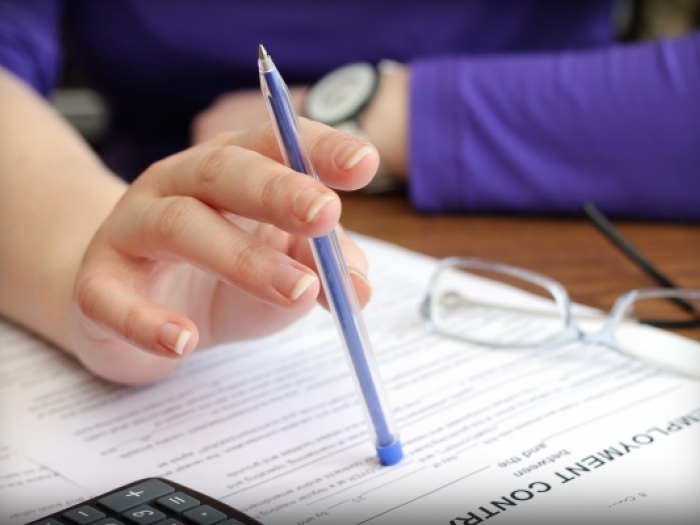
x,y
338,100
341,95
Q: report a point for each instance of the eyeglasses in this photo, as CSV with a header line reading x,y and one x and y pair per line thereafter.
x,y
502,306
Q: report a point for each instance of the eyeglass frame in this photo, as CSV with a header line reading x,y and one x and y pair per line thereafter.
x,y
571,330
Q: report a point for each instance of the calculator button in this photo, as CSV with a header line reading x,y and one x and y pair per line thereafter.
x,y
178,502
136,495
109,521
170,522
204,515
84,515
49,521
230,521
144,515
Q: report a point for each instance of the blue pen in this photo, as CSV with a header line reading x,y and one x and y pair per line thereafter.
x,y
334,274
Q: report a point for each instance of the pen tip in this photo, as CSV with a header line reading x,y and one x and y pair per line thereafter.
x,y
262,54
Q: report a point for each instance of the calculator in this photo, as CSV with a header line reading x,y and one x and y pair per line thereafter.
x,y
149,501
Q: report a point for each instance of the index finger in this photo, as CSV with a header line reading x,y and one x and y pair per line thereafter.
x,y
342,161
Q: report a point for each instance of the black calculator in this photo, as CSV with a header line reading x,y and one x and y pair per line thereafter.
x,y
149,501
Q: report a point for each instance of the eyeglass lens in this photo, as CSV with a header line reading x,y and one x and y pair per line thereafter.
x,y
493,308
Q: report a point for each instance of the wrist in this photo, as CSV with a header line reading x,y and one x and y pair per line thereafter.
x,y
371,102
384,120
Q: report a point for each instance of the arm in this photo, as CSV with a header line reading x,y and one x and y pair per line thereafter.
x,y
208,245
537,133
54,193
544,133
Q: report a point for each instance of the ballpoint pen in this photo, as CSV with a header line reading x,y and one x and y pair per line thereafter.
x,y
333,272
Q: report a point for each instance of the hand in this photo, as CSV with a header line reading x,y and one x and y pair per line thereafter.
x,y
237,111
211,245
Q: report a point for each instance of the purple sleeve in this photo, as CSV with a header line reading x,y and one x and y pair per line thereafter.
x,y
545,133
30,41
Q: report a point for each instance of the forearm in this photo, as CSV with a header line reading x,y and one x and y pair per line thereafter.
x,y
545,132
54,193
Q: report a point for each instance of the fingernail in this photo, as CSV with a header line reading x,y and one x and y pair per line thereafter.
x,y
308,204
174,337
349,155
291,282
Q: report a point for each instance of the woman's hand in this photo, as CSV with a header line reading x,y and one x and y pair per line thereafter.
x,y
211,245
238,110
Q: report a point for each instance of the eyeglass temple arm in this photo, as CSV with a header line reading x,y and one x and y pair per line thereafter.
x,y
619,240
464,301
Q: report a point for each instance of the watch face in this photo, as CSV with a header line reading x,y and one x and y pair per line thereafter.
x,y
342,94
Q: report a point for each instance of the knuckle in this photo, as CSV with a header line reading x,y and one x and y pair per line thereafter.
x,y
225,138
267,133
132,322
212,164
319,135
275,182
157,169
88,291
327,140
172,217
243,261
265,137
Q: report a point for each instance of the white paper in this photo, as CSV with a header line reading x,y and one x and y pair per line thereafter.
x,y
29,491
274,427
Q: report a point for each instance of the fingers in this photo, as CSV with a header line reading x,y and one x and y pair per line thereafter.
x,y
250,185
235,215
238,110
121,292
241,173
355,261
357,264
184,229
342,161
112,295
108,301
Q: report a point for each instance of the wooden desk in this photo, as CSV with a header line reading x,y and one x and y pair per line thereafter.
x,y
570,250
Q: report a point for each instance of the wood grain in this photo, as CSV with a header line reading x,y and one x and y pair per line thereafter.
x,y
568,249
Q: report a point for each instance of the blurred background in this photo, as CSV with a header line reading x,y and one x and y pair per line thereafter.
x,y
636,20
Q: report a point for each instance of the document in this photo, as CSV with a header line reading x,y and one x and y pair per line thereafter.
x,y
274,427
29,490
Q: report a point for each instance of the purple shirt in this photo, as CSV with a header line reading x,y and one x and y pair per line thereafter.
x,y
516,105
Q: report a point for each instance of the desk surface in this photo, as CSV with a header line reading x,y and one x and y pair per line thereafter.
x,y
570,250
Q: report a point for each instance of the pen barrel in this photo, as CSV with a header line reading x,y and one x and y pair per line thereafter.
x,y
350,325
336,281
